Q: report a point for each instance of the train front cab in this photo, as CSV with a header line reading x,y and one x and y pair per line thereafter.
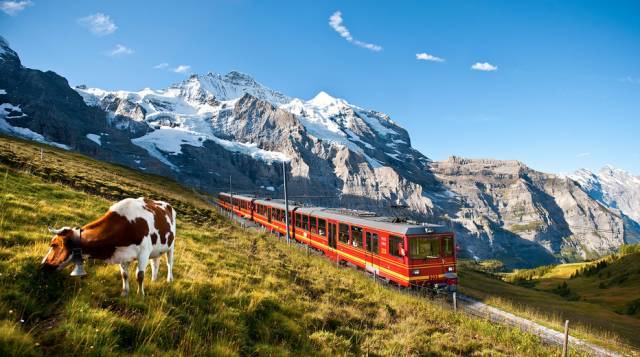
x,y
431,261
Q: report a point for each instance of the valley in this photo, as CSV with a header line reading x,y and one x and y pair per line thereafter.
x,y
600,299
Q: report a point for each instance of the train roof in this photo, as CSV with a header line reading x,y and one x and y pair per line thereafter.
x,y
377,222
351,217
242,197
277,203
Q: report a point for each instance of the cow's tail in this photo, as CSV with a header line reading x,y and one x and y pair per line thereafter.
x,y
170,253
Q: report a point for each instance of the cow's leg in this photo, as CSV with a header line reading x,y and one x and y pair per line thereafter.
x,y
124,272
155,265
170,264
142,266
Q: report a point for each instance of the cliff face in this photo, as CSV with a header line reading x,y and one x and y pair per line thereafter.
x,y
506,207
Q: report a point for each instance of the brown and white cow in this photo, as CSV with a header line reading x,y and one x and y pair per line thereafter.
x,y
133,229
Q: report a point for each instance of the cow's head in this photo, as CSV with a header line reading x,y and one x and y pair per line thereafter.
x,y
59,255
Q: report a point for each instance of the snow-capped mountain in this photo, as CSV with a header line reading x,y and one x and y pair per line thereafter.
x,y
613,187
200,108
211,128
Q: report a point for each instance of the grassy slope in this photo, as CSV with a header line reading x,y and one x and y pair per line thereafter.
x,y
236,292
614,287
589,320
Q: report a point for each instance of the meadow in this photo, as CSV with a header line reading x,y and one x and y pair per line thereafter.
x,y
236,292
602,314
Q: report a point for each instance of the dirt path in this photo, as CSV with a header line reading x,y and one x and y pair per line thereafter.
x,y
477,308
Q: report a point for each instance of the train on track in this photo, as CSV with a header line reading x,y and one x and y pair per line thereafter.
x,y
410,255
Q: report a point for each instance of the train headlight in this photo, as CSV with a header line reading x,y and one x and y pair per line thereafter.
x,y
450,268
415,272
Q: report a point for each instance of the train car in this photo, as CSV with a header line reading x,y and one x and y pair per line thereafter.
x,y
241,205
407,254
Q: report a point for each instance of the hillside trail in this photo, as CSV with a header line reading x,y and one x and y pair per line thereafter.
x,y
474,307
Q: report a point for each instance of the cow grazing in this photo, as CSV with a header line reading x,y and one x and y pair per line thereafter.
x,y
133,229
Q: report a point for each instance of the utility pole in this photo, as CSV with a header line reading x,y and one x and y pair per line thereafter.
x,y
565,344
286,201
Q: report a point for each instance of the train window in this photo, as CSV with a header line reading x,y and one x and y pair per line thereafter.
x,y
343,233
298,220
423,247
305,222
372,242
313,224
322,227
396,246
356,236
448,246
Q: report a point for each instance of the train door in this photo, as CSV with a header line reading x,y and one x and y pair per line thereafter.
x,y
372,247
295,223
332,230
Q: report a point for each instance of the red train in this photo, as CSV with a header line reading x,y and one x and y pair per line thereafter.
x,y
406,254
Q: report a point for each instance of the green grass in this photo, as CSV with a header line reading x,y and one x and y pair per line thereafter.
x,y
589,320
612,282
236,292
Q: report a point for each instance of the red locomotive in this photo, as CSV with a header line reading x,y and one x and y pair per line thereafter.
x,y
406,254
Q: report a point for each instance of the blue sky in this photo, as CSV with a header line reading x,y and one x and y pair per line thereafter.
x,y
565,95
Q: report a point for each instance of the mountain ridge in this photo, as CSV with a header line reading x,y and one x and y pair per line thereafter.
x,y
208,129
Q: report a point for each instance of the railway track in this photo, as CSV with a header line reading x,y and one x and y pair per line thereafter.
x,y
471,306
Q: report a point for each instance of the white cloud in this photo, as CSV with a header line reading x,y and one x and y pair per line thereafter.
x,y
183,68
427,57
484,66
583,154
335,21
12,8
99,24
161,65
120,50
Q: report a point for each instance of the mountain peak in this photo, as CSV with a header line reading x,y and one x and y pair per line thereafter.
x,y
323,99
7,54
229,86
239,75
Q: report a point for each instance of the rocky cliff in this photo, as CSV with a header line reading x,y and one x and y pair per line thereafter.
x,y
514,213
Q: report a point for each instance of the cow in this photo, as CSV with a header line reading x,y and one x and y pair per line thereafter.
x,y
132,229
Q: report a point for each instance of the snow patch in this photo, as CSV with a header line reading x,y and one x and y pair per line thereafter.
x,y
252,150
169,141
95,138
2,91
5,110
